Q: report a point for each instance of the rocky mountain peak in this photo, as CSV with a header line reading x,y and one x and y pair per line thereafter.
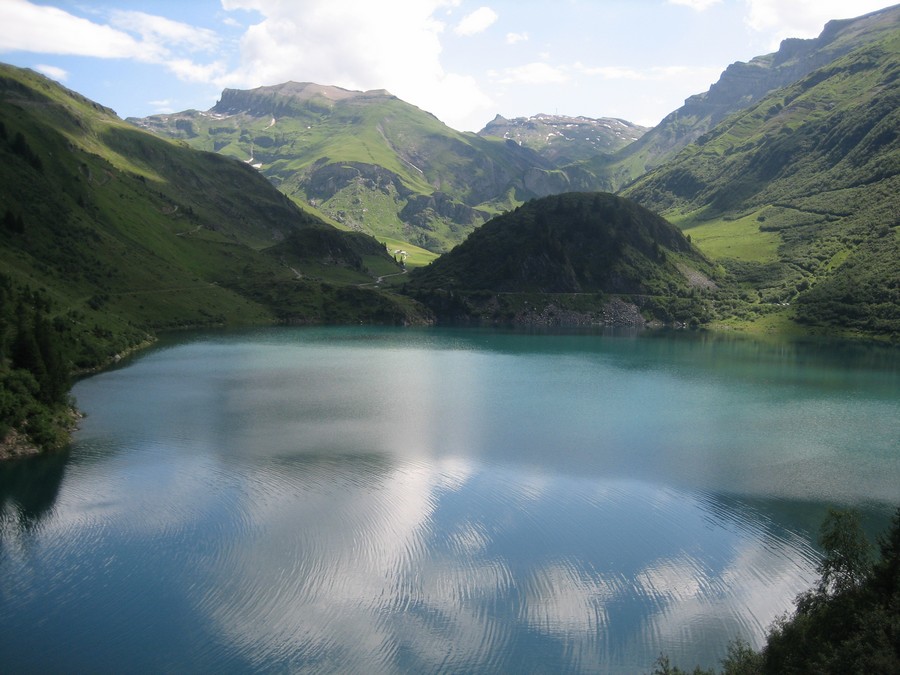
x,y
563,138
288,96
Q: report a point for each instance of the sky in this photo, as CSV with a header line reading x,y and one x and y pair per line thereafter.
x,y
464,61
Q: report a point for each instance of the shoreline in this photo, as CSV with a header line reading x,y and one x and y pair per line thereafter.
x,y
16,444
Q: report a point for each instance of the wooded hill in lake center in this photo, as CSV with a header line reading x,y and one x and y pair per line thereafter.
x,y
572,253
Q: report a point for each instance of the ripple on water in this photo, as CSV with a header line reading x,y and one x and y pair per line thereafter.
x,y
353,563
325,541
235,517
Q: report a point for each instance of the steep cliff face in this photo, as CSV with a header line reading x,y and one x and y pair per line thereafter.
x,y
324,180
740,86
798,194
422,209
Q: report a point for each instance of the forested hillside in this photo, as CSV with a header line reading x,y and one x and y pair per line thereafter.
x,y
110,234
35,372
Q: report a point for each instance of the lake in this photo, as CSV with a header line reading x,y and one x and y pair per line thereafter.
x,y
375,500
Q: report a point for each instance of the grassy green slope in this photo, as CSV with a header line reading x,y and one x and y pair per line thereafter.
x,y
798,195
368,160
129,233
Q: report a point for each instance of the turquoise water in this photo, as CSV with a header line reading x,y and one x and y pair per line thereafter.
x,y
461,501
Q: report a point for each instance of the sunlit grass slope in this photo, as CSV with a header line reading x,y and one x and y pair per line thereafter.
x,y
129,234
368,160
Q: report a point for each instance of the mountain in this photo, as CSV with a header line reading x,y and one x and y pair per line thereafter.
x,y
740,86
798,196
367,160
564,259
564,140
128,233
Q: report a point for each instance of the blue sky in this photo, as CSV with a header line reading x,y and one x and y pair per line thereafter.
x,y
463,60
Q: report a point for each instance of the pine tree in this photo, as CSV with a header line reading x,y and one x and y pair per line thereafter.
x,y
37,348
56,382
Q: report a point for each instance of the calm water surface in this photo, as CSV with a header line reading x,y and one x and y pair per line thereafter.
x,y
361,500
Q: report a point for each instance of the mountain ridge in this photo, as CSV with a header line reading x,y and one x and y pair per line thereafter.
x,y
443,184
740,85
369,161
564,139
235,101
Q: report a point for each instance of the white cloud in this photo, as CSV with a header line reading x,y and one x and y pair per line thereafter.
x,y
476,22
162,107
657,73
534,73
612,72
513,38
189,71
37,28
164,32
357,46
698,5
52,72
645,95
802,18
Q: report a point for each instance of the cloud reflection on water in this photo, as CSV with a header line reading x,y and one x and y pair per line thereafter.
x,y
392,563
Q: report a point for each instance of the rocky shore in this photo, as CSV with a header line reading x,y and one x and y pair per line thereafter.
x,y
17,445
616,312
